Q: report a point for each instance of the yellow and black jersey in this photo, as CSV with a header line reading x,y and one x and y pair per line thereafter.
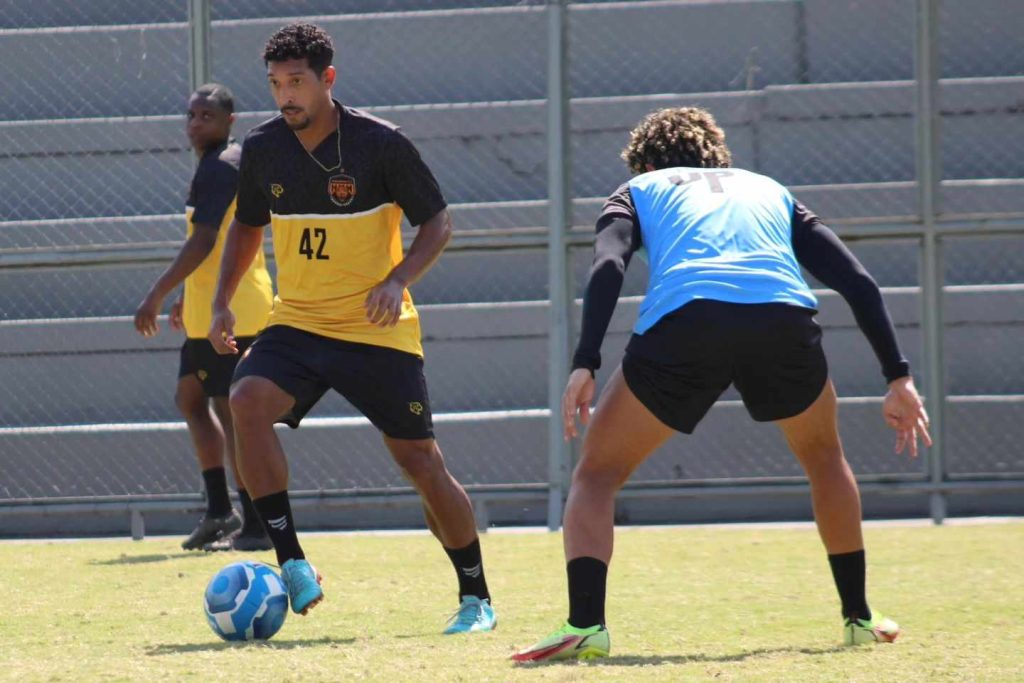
x,y
211,201
335,215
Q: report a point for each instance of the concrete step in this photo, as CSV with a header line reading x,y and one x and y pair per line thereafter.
x,y
479,357
332,455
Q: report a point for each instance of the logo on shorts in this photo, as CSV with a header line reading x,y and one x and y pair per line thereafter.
x,y
416,408
202,375
342,189
276,190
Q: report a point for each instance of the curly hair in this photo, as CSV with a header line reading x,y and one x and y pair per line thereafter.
x,y
300,41
682,136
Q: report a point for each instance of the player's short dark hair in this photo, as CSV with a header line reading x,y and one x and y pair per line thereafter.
x,y
681,136
217,95
300,41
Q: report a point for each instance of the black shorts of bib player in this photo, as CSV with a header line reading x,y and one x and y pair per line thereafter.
x,y
333,183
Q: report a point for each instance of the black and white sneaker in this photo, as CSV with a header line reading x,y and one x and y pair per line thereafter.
x,y
244,541
211,529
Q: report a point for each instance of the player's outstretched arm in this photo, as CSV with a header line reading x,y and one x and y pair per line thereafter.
x,y
240,248
195,250
822,253
384,302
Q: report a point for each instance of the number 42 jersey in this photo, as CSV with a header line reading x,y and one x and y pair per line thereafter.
x,y
336,216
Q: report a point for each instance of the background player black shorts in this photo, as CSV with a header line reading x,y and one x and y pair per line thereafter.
x,y
213,370
771,352
386,385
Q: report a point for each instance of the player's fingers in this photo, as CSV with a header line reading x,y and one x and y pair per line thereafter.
x,y
912,438
568,414
901,441
585,412
922,428
391,313
371,304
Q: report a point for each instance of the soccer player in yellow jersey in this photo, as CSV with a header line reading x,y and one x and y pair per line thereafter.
x,y
333,183
204,376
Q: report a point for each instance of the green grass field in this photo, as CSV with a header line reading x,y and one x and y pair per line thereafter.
x,y
721,604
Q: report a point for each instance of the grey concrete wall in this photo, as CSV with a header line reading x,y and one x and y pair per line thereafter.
x,y
478,358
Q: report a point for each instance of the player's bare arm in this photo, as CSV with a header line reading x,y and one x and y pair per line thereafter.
x,y
384,302
242,244
195,250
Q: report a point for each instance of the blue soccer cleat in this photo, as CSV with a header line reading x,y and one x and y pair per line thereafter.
x,y
303,583
473,615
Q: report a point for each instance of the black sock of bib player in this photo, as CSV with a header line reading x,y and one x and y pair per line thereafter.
x,y
218,503
251,524
276,513
469,567
850,573
588,578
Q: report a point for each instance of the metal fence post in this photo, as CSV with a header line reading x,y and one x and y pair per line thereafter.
x,y
198,42
932,273
559,220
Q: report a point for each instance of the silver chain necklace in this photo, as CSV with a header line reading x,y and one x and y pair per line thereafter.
x,y
317,161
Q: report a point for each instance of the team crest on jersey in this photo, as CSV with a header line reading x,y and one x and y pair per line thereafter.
x,y
276,190
342,189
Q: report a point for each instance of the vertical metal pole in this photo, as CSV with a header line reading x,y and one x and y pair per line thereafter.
x,y
559,220
929,174
198,43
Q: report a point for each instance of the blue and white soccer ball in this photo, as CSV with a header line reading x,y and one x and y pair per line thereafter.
x,y
246,601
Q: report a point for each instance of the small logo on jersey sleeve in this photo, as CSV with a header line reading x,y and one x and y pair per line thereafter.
x,y
276,190
342,189
416,408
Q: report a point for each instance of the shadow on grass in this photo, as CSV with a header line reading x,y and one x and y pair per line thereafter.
x,y
145,559
654,660
217,646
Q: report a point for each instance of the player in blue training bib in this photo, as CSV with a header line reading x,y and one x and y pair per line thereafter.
x,y
726,304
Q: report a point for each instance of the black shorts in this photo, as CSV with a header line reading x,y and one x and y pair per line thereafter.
x,y
213,370
386,385
771,352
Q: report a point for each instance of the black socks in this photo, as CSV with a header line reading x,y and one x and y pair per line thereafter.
x,y
276,513
251,524
469,567
588,578
217,502
850,574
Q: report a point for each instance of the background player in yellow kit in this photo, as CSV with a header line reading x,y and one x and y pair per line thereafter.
x,y
204,376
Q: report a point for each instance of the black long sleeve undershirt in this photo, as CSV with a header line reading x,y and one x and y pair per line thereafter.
x,y
617,238
824,255
817,248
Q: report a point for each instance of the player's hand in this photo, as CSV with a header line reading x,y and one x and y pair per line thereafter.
x,y
174,318
145,316
384,303
579,393
904,411
222,331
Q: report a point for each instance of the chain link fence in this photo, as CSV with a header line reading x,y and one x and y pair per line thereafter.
x,y
820,94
